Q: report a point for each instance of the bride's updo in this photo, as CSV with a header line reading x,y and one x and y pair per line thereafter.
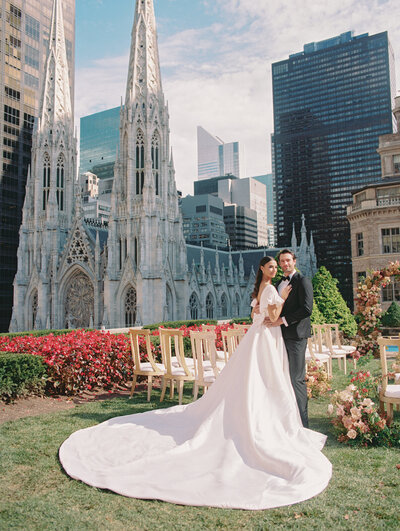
x,y
259,275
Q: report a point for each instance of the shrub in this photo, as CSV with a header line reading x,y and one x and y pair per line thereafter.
x,y
180,324
241,320
331,303
21,374
391,317
39,333
316,315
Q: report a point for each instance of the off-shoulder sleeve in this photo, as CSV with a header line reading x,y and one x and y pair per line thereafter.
x,y
269,297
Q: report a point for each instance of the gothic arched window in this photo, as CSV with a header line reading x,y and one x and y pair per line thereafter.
x,y
169,304
224,305
155,161
237,305
194,306
139,154
130,307
34,309
46,179
209,306
60,181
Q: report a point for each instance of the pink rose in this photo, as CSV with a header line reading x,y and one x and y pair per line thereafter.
x,y
352,434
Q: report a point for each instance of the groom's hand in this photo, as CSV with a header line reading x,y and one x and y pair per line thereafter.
x,y
269,323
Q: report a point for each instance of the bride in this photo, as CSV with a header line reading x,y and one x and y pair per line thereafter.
x,y
242,445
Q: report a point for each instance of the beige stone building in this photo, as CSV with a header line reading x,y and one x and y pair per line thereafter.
x,y
374,217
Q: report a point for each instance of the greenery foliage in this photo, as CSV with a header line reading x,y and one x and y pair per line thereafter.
x,y
179,324
241,320
331,303
392,316
39,333
21,374
316,316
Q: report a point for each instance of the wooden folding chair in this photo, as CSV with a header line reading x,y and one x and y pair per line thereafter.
x,y
388,394
179,370
205,360
335,351
230,341
322,357
143,368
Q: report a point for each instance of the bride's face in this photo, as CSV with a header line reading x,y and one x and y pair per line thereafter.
x,y
269,270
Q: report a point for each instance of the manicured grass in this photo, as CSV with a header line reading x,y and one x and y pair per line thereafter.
x,y
37,495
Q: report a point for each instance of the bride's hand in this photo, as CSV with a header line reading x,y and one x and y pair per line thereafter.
x,y
285,292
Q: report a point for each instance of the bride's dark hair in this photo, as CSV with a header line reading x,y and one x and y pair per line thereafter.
x,y
259,275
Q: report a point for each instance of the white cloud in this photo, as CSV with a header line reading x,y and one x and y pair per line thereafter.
x,y
220,76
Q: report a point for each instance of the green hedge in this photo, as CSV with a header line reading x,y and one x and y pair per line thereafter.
x,y
178,324
240,320
38,333
21,374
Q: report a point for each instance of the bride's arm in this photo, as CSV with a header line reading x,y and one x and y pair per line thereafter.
x,y
274,310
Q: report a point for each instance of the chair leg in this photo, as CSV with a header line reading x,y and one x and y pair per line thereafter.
x,y
149,386
345,364
171,389
389,413
180,390
133,385
381,407
195,390
164,388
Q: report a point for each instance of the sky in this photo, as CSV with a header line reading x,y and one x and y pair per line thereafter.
x,y
216,58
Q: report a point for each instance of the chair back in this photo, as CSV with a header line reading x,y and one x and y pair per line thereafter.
x,y
203,348
230,340
172,339
383,343
335,334
134,336
243,327
208,327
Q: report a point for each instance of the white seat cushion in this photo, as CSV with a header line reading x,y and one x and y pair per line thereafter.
x,y
321,357
392,391
349,348
145,366
220,355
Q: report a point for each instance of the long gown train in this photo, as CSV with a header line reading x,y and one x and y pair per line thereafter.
x,y
241,445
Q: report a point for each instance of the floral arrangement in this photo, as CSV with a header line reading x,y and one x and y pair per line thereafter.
x,y
357,420
369,309
366,384
317,380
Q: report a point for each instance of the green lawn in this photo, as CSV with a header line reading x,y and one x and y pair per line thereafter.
x,y
36,494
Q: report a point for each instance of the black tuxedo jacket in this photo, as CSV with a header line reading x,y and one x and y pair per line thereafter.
x,y
297,308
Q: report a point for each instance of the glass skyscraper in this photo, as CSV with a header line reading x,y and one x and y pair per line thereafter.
x,y
25,29
99,141
331,103
215,157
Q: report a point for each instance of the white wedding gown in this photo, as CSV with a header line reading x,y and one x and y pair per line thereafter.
x,y
239,446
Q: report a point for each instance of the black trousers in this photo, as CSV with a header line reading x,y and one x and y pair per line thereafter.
x,y
296,349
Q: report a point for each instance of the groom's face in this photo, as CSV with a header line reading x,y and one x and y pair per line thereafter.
x,y
287,263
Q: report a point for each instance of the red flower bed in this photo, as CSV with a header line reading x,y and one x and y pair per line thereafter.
x,y
79,360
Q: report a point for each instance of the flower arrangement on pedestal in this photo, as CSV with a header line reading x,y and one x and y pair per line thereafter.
x,y
369,309
357,421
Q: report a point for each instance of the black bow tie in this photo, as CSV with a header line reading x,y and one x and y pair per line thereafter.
x,y
286,278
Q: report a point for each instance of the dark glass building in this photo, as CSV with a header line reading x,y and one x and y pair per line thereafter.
x,y
331,103
24,37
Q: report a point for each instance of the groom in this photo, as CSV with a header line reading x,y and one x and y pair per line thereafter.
x,y
296,326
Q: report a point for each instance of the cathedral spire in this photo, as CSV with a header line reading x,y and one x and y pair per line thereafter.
x,y
144,78
56,98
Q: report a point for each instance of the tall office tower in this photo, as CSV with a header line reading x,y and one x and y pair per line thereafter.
x,y
25,26
268,180
331,103
214,157
99,133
